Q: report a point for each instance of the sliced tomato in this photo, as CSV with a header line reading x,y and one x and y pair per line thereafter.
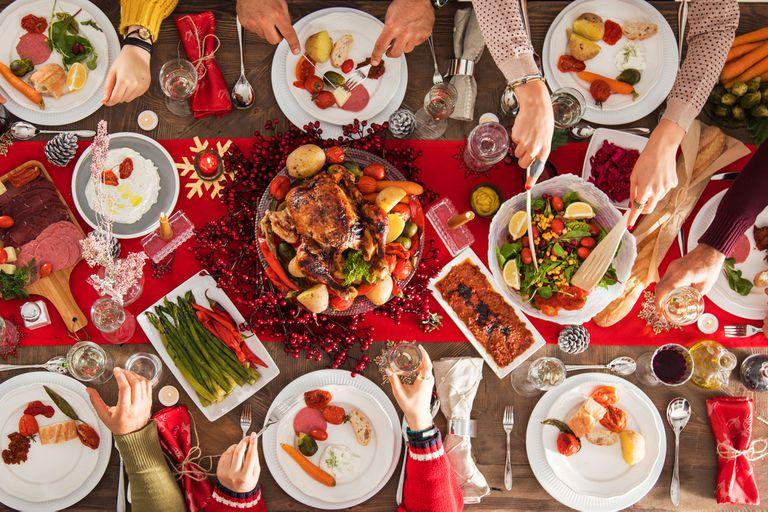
x,y
569,63
304,69
317,398
568,444
612,32
340,304
333,414
615,419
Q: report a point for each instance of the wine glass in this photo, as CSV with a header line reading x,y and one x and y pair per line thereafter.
x,y
683,306
178,80
568,107
670,364
487,145
115,323
432,119
545,373
88,362
146,365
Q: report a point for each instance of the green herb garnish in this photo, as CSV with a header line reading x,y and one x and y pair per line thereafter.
x,y
12,286
356,269
91,23
61,403
64,38
735,280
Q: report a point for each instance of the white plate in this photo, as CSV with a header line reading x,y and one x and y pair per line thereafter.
x,y
621,139
752,306
54,476
376,398
596,479
538,339
73,106
166,169
365,29
298,115
660,54
374,459
198,284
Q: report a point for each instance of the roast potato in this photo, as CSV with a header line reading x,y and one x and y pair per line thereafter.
x,y
389,197
396,226
315,299
582,48
381,291
318,46
305,161
632,446
589,25
294,269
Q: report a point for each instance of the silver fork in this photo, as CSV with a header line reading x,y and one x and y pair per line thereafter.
x,y
357,77
245,419
277,414
741,330
508,422
437,78
120,507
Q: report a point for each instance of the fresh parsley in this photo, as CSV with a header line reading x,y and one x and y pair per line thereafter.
x,y
91,23
12,286
356,269
735,280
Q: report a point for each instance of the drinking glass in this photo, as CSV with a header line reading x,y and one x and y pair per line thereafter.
x,y
543,374
145,364
115,323
178,80
405,358
568,106
88,362
487,145
432,119
683,306
670,364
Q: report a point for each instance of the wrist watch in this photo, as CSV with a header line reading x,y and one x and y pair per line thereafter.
x,y
440,3
141,37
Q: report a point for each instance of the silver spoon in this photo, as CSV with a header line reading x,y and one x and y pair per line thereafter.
x,y
678,414
21,130
242,92
55,365
583,130
622,365
437,78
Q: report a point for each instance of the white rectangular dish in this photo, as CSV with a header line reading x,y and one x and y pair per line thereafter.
x,y
538,339
198,284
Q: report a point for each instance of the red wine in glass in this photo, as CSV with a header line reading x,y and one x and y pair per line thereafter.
x,y
672,364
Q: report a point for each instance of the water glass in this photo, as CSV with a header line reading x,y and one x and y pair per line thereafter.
x,y
568,106
683,306
405,358
670,364
115,323
178,80
146,365
487,145
432,119
545,373
88,362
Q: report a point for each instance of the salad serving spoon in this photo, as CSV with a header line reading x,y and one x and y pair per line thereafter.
x,y
678,414
583,130
55,364
623,365
22,130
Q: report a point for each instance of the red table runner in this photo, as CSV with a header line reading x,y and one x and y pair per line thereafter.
x,y
441,171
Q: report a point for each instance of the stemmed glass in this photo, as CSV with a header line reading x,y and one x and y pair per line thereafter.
x,y
432,119
670,364
487,145
115,323
178,80
88,362
545,373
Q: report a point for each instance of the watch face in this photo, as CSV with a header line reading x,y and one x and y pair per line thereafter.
x,y
440,3
145,34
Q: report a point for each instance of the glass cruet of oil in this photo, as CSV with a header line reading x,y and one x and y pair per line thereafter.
x,y
712,364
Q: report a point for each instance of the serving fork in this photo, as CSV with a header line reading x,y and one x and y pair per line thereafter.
x,y
245,419
277,414
741,330
508,422
357,77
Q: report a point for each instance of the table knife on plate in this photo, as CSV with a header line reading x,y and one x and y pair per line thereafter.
x,y
724,176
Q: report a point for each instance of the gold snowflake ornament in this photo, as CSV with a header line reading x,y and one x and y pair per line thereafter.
x,y
195,185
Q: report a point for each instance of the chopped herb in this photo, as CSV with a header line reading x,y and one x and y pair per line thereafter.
x,y
12,286
538,204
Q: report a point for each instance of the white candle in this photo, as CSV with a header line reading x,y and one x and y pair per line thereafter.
x,y
707,323
168,395
488,117
147,120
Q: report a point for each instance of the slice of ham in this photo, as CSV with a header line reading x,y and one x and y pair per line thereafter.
x,y
358,99
307,420
33,47
741,249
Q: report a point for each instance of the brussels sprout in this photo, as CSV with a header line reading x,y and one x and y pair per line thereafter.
x,y
353,167
21,67
717,93
749,100
759,111
629,76
728,99
753,85
739,88
721,110
306,445
738,113
765,96
334,78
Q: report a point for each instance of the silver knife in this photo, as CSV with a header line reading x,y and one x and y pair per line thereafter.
x,y
724,176
529,181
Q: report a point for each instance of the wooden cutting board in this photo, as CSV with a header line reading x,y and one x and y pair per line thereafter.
x,y
55,286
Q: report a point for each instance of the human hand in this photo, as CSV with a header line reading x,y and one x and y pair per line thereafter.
x,y
129,76
134,403
270,20
239,468
408,23
414,399
534,124
699,269
655,172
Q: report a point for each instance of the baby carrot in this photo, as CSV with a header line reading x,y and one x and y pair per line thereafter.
x,y
409,186
310,468
21,86
616,86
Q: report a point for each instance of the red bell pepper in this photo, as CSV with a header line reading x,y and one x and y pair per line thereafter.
x,y
276,267
417,213
398,250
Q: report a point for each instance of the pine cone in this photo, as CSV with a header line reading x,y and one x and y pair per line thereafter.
x,y
402,123
573,339
61,149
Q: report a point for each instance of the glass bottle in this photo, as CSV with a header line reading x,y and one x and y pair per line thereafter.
x,y
712,364
754,372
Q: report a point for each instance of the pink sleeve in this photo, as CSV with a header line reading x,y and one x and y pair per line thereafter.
x,y
504,32
430,485
225,500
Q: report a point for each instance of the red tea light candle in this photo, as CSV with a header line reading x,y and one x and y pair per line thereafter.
x,y
208,164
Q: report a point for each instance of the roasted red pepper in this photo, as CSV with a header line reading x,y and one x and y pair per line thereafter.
x,y
417,213
277,268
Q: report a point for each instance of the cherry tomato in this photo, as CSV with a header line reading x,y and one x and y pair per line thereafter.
x,y
612,32
347,66
568,63
3,256
535,232
557,204
313,84
6,221
375,171
594,229
324,99
558,226
340,304
600,90
568,444
366,185
605,395
279,187
587,242
126,168
317,398
391,261
526,256
335,154
582,253
402,210
333,414
615,419
28,425
318,434
403,269
45,269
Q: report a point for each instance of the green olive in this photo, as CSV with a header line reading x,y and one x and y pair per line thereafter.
x,y
410,229
404,241
336,79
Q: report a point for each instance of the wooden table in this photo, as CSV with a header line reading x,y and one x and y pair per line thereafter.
x,y
698,467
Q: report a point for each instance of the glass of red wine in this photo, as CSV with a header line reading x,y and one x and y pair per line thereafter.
x,y
670,364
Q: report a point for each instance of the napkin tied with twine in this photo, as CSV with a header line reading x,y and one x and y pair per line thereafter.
x,y
468,44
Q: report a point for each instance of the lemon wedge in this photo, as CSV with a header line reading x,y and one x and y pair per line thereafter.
x,y
76,76
578,211
511,275
518,225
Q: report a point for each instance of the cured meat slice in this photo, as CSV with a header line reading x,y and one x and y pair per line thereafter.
x,y
33,47
307,420
358,99
741,249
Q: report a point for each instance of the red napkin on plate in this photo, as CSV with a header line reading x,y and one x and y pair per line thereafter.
x,y
731,422
198,35
174,427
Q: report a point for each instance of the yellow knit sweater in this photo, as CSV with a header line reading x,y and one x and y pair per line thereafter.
x,y
147,13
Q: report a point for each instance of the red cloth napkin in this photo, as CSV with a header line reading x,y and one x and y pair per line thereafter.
x,y
174,427
731,422
198,35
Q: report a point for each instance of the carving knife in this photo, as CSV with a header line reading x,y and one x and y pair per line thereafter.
x,y
531,175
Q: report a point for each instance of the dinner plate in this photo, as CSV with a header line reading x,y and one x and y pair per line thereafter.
x,y
198,285
752,306
372,459
54,476
169,184
298,115
661,58
73,106
596,479
373,398
365,29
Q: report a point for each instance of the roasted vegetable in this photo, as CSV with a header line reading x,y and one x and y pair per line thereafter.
x,y
729,99
721,110
739,88
749,100
629,76
759,111
21,67
318,46
306,445
738,113
753,85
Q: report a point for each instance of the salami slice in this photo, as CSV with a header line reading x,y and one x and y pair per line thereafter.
x,y
49,251
741,249
26,253
358,100
307,420
33,47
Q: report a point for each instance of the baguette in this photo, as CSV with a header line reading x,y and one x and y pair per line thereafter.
x,y
362,427
341,49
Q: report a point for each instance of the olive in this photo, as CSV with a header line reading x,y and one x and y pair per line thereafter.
x,y
404,241
410,229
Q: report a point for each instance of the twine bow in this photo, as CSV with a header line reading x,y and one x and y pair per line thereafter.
x,y
758,449
202,70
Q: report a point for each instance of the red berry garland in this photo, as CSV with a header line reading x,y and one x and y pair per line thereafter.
x,y
227,247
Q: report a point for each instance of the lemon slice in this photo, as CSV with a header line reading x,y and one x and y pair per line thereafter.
x,y
511,275
518,225
76,76
579,210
